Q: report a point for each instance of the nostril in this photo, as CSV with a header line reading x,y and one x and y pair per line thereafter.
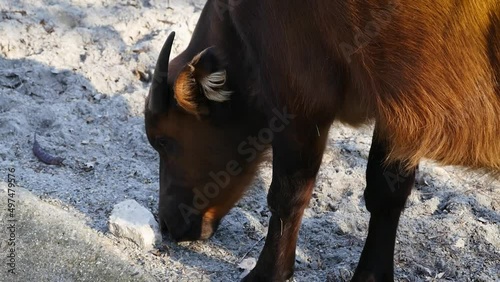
x,y
175,230
169,234
175,224
181,233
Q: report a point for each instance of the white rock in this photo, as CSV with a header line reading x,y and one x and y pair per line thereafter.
x,y
132,221
247,265
460,243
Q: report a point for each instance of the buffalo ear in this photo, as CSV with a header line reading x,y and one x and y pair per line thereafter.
x,y
202,80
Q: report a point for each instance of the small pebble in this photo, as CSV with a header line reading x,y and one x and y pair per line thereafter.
x,y
247,265
460,243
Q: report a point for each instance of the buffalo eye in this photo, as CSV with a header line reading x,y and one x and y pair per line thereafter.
x,y
167,145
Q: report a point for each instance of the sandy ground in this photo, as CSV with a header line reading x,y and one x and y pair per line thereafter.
x,y
69,72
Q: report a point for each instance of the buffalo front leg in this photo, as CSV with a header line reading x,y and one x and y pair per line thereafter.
x,y
296,160
387,188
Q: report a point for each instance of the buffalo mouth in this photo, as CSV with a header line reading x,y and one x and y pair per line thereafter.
x,y
179,230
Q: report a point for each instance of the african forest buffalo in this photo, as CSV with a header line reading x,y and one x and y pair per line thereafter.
x,y
260,75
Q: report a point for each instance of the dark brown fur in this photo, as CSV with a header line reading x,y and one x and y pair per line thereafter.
x,y
427,72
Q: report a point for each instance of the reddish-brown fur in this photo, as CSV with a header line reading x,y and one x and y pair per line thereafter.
x,y
427,72
430,73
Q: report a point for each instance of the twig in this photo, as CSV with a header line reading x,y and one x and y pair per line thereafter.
x,y
253,246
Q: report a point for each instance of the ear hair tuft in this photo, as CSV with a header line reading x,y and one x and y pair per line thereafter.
x,y
212,86
203,79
